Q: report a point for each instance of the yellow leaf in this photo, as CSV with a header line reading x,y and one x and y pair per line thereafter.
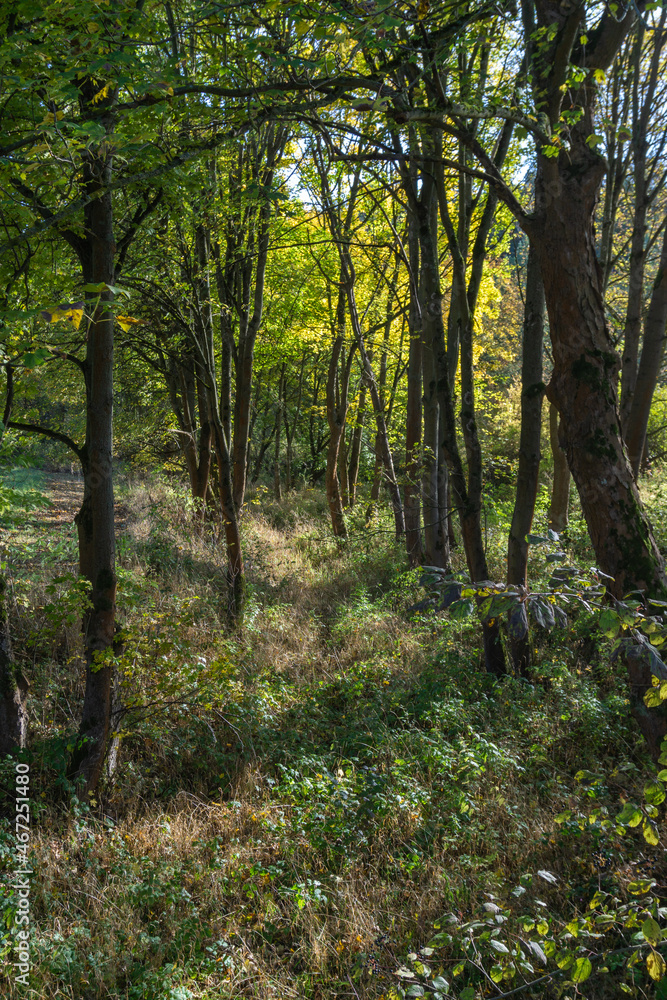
x,y
72,311
101,94
655,964
127,321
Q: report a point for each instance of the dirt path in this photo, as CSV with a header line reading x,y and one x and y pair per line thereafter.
x,y
66,493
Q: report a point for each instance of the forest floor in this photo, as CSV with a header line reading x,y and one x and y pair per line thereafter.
x,y
334,800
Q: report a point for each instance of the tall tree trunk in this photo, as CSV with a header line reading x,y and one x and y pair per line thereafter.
x,y
250,324
583,385
13,685
467,502
95,520
336,398
653,348
13,688
205,360
429,480
382,439
413,428
560,489
532,390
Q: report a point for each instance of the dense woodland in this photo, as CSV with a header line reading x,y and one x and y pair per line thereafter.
x,y
333,528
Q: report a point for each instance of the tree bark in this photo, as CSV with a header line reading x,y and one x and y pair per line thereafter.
x,y
250,324
653,349
583,384
466,502
13,688
277,489
532,390
95,520
560,489
355,450
413,428
336,399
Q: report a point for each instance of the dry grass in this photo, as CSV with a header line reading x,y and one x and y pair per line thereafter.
x,y
338,773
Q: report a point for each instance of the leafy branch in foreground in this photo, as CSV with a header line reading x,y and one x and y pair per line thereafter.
x,y
520,943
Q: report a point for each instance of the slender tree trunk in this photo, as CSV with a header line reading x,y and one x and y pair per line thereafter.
x,y
95,520
277,489
250,325
532,390
355,450
377,479
344,471
653,348
205,360
560,490
336,398
431,512
413,428
13,688
466,501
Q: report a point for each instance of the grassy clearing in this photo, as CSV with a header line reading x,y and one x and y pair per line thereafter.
x,y
295,806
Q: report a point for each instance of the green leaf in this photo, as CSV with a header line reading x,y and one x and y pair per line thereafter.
x,y
460,610
641,886
654,792
581,970
499,947
609,623
415,991
467,994
651,930
630,815
497,605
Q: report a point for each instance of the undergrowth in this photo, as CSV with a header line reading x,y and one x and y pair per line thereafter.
x,y
297,804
